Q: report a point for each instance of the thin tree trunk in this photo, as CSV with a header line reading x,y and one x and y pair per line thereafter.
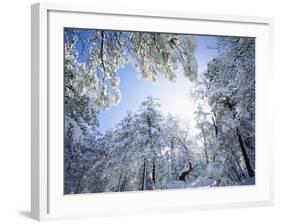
x,y
230,176
119,182
153,175
238,163
215,124
172,156
214,120
205,147
250,170
144,176
237,174
124,182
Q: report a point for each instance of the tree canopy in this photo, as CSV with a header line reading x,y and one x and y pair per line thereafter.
x,y
151,54
149,149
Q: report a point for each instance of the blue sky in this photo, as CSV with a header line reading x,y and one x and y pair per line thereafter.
x,y
173,96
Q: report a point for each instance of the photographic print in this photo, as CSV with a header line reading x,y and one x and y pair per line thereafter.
x,y
152,111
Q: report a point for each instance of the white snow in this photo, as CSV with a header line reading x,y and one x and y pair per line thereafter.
x,y
202,182
176,184
199,182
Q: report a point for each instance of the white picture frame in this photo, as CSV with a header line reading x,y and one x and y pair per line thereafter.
x,y
47,199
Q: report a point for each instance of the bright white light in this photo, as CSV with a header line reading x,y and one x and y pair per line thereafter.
x,y
175,98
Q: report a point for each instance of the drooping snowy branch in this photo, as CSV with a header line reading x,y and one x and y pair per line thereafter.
x,y
151,54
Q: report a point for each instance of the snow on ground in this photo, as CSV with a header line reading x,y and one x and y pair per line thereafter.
x,y
199,182
203,181
248,181
176,185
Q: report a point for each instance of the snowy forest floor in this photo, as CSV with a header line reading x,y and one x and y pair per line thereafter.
x,y
203,182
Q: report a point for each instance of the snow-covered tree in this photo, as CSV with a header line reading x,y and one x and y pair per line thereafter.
x,y
150,53
148,149
228,86
80,125
149,139
122,162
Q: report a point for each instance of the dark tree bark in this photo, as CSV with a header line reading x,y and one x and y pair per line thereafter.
x,y
215,124
230,176
119,182
214,120
250,170
144,175
237,174
124,183
153,174
186,173
246,158
238,163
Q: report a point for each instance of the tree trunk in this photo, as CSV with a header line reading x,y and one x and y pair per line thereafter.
x,y
250,170
230,176
186,173
214,120
124,182
215,125
153,175
238,163
237,174
172,167
119,182
205,146
144,176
